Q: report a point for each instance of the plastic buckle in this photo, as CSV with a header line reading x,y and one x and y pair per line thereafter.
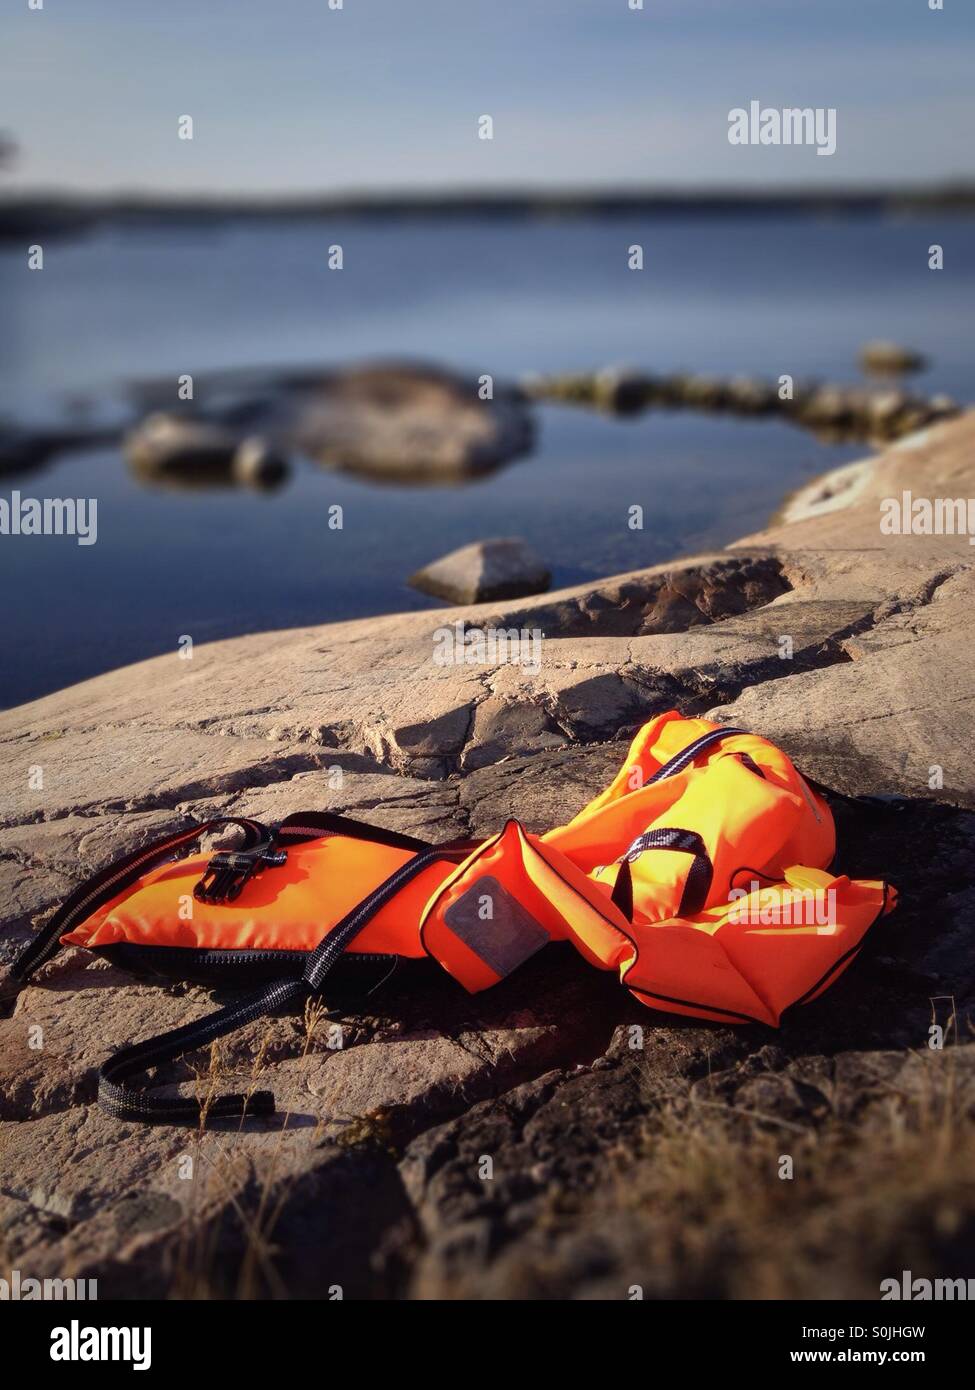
x,y
229,870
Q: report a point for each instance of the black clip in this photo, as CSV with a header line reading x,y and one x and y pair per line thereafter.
x,y
229,870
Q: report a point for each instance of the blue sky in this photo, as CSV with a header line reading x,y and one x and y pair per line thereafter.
x,y
291,96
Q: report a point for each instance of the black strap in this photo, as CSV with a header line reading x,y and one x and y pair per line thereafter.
x,y
622,894
112,879
697,885
698,882
128,1103
90,895
310,825
687,755
861,800
331,946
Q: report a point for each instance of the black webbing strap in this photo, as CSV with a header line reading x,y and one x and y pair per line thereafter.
x,y
111,880
862,800
687,755
697,885
128,1103
309,825
331,946
698,882
622,894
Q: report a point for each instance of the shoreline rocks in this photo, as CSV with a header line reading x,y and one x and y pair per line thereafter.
x,y
835,412
408,423
396,422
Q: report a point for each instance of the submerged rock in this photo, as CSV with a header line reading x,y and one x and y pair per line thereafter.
x,y
492,569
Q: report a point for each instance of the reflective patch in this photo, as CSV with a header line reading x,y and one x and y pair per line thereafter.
x,y
503,939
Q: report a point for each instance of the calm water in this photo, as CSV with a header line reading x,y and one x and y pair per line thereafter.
x,y
723,296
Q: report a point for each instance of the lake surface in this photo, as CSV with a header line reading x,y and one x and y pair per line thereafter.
x,y
731,295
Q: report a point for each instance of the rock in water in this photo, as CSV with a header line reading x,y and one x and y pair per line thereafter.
x,y
414,424
493,569
623,392
169,443
400,422
185,451
887,359
256,464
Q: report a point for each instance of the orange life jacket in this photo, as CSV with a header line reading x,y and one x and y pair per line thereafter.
x,y
700,875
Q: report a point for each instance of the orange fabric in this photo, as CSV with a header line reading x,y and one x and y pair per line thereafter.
x,y
746,821
283,909
750,965
554,892
775,926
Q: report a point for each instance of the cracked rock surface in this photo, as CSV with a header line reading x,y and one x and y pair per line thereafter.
x,y
551,1137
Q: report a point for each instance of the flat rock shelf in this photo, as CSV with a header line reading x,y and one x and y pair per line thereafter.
x,y
629,1148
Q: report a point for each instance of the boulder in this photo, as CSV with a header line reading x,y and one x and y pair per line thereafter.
x,y
750,396
404,423
622,391
505,567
